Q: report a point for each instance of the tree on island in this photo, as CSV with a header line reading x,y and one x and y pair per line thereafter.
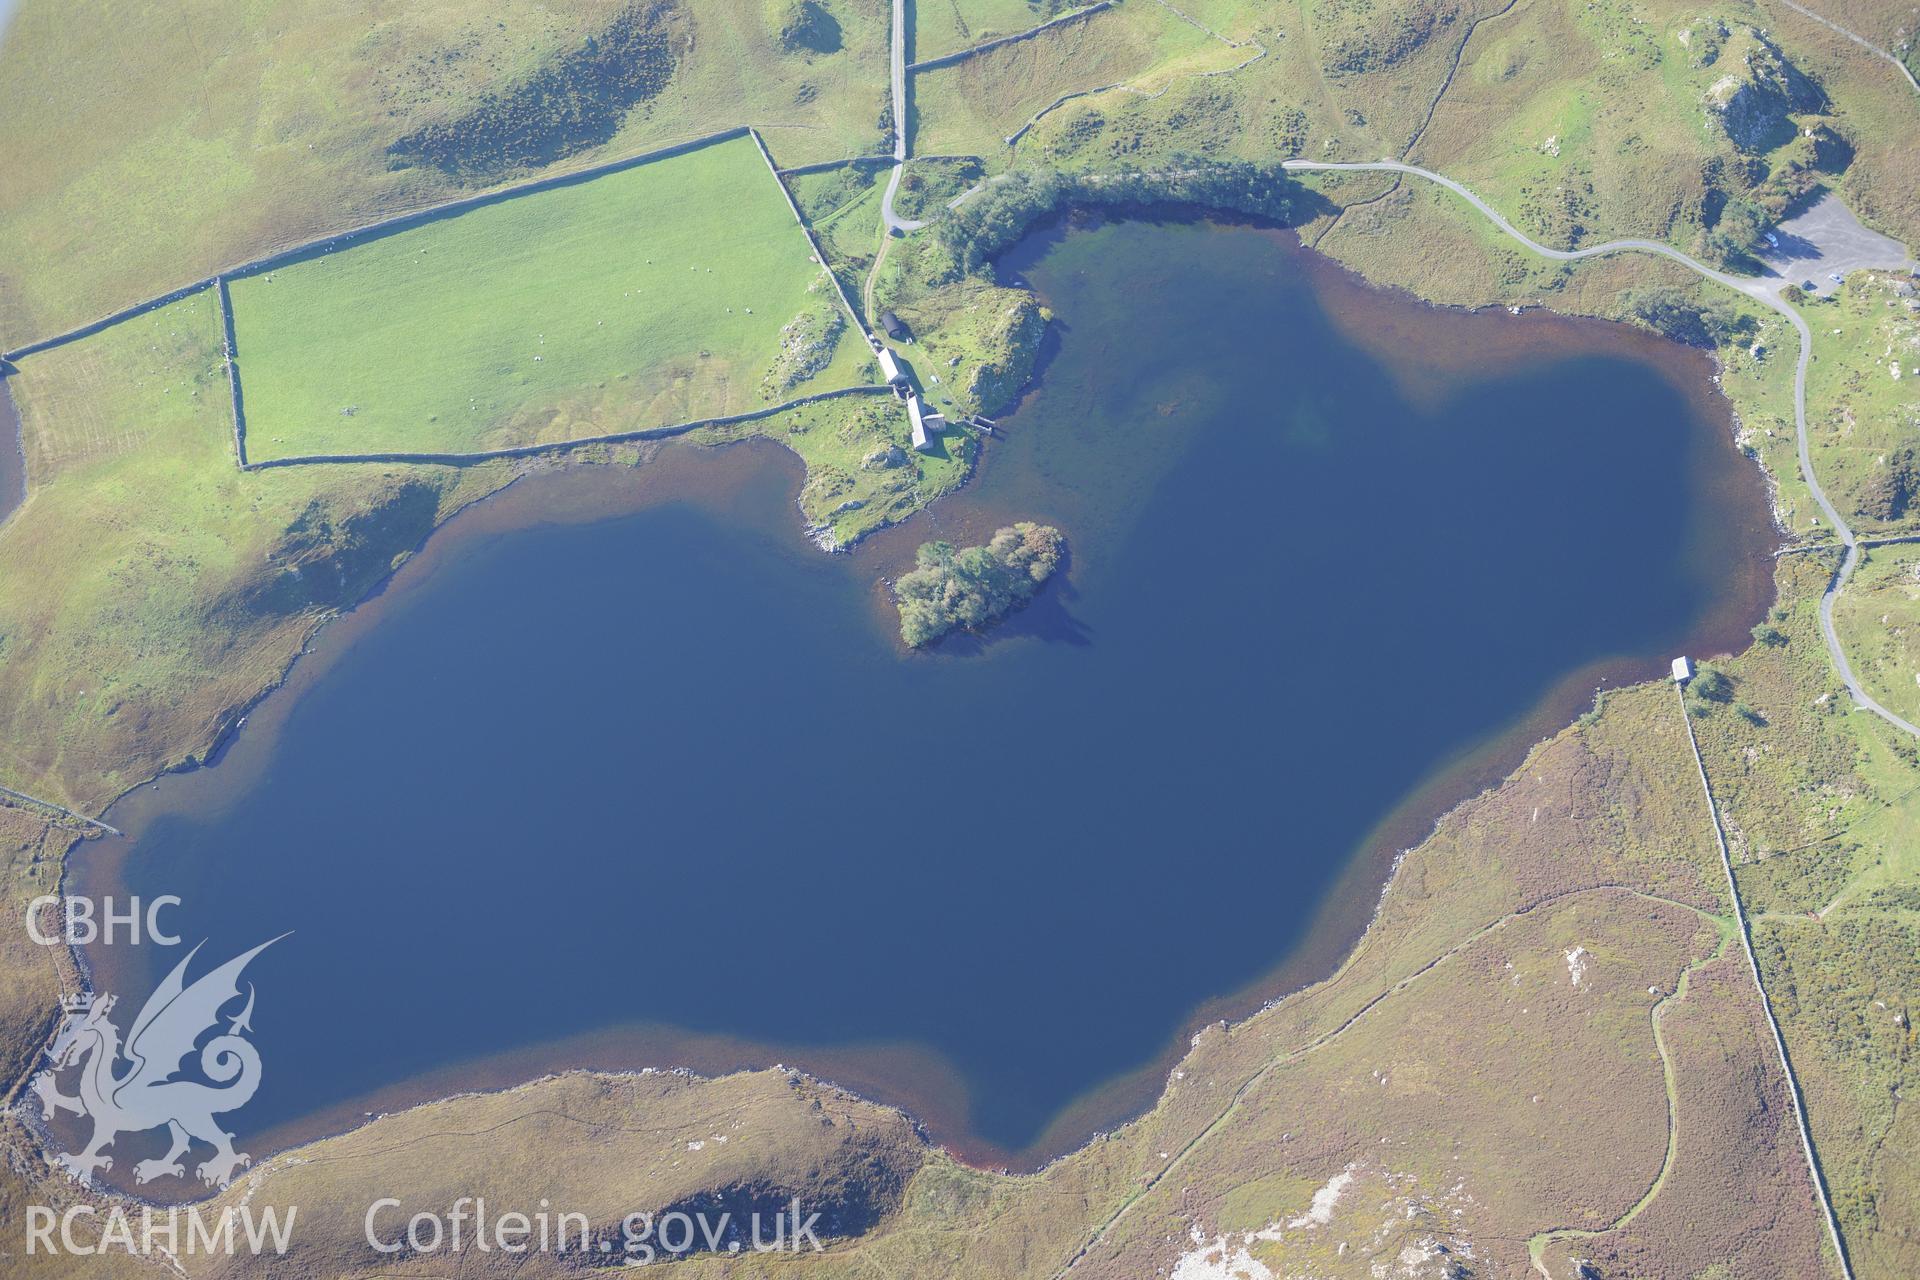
x,y
977,586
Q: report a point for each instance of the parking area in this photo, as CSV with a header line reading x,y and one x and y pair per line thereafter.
x,y
1827,241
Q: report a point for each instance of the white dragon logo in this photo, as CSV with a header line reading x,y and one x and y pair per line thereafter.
x,y
147,1093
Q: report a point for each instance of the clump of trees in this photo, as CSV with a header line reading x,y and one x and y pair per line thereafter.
x,y
930,181
1000,215
1684,316
1809,162
1708,688
977,586
1713,685
1737,234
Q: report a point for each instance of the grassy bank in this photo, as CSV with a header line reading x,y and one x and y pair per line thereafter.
x,y
1863,400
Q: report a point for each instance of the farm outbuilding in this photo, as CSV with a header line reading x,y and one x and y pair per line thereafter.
x,y
896,327
890,368
922,426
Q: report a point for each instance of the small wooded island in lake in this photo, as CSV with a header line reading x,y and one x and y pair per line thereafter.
x,y
975,587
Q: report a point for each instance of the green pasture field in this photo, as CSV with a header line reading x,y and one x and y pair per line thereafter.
x,y
642,298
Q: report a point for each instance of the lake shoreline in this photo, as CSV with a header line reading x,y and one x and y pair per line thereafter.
x,y
1344,916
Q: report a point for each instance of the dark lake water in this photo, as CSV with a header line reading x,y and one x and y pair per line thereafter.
x,y
622,772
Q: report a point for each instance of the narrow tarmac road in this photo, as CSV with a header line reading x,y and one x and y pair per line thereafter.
x,y
896,225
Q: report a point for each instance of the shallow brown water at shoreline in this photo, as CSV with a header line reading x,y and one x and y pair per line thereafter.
x,y
1103,501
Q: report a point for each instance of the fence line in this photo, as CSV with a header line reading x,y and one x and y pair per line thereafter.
x,y
420,217
561,446
60,809
1127,86
106,322
961,55
233,372
806,230
821,166
1814,1170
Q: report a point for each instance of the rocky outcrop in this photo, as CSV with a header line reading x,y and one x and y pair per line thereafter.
x,y
1759,92
1014,342
1369,39
807,344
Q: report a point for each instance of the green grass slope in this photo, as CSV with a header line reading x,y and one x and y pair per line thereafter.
x,y
605,306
